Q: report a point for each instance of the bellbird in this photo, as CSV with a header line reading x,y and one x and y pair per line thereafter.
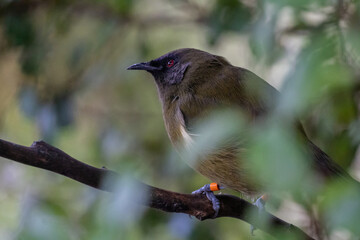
x,y
192,82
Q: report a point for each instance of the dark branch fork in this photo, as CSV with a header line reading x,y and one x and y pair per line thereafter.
x,y
45,156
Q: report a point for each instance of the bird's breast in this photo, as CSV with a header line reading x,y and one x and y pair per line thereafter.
x,y
222,165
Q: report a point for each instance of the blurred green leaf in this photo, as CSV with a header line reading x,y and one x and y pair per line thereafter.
x,y
19,30
262,38
341,206
221,128
43,221
228,15
277,159
31,60
299,4
315,76
341,149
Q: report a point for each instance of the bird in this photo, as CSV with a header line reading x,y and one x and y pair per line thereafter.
x,y
191,83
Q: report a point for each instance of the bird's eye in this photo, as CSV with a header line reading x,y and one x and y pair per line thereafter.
x,y
170,63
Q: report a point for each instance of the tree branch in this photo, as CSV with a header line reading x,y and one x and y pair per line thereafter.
x,y
45,156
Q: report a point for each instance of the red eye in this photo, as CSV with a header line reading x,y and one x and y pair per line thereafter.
x,y
170,63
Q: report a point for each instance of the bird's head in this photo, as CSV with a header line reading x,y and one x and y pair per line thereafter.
x,y
173,67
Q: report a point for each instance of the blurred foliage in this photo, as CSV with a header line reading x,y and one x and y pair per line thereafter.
x,y
63,79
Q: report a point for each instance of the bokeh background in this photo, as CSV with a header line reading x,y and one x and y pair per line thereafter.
x,y
63,80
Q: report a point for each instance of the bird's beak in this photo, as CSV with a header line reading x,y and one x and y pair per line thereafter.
x,y
143,66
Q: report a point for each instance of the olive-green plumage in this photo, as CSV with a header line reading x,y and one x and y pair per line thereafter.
x,y
192,83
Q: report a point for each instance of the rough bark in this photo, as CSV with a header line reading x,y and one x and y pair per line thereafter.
x,y
45,156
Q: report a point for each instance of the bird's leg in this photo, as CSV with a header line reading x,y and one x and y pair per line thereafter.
x,y
260,203
209,189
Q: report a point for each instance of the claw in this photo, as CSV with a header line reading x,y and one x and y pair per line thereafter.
x,y
208,191
252,229
260,203
215,202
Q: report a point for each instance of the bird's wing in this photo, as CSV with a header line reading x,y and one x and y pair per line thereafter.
x,y
228,87
321,161
240,87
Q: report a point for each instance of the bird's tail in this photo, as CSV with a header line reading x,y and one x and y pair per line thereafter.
x,y
327,167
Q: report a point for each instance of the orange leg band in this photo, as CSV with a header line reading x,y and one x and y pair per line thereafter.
x,y
214,187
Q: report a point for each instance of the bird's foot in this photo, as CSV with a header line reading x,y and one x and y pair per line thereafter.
x,y
260,203
208,190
